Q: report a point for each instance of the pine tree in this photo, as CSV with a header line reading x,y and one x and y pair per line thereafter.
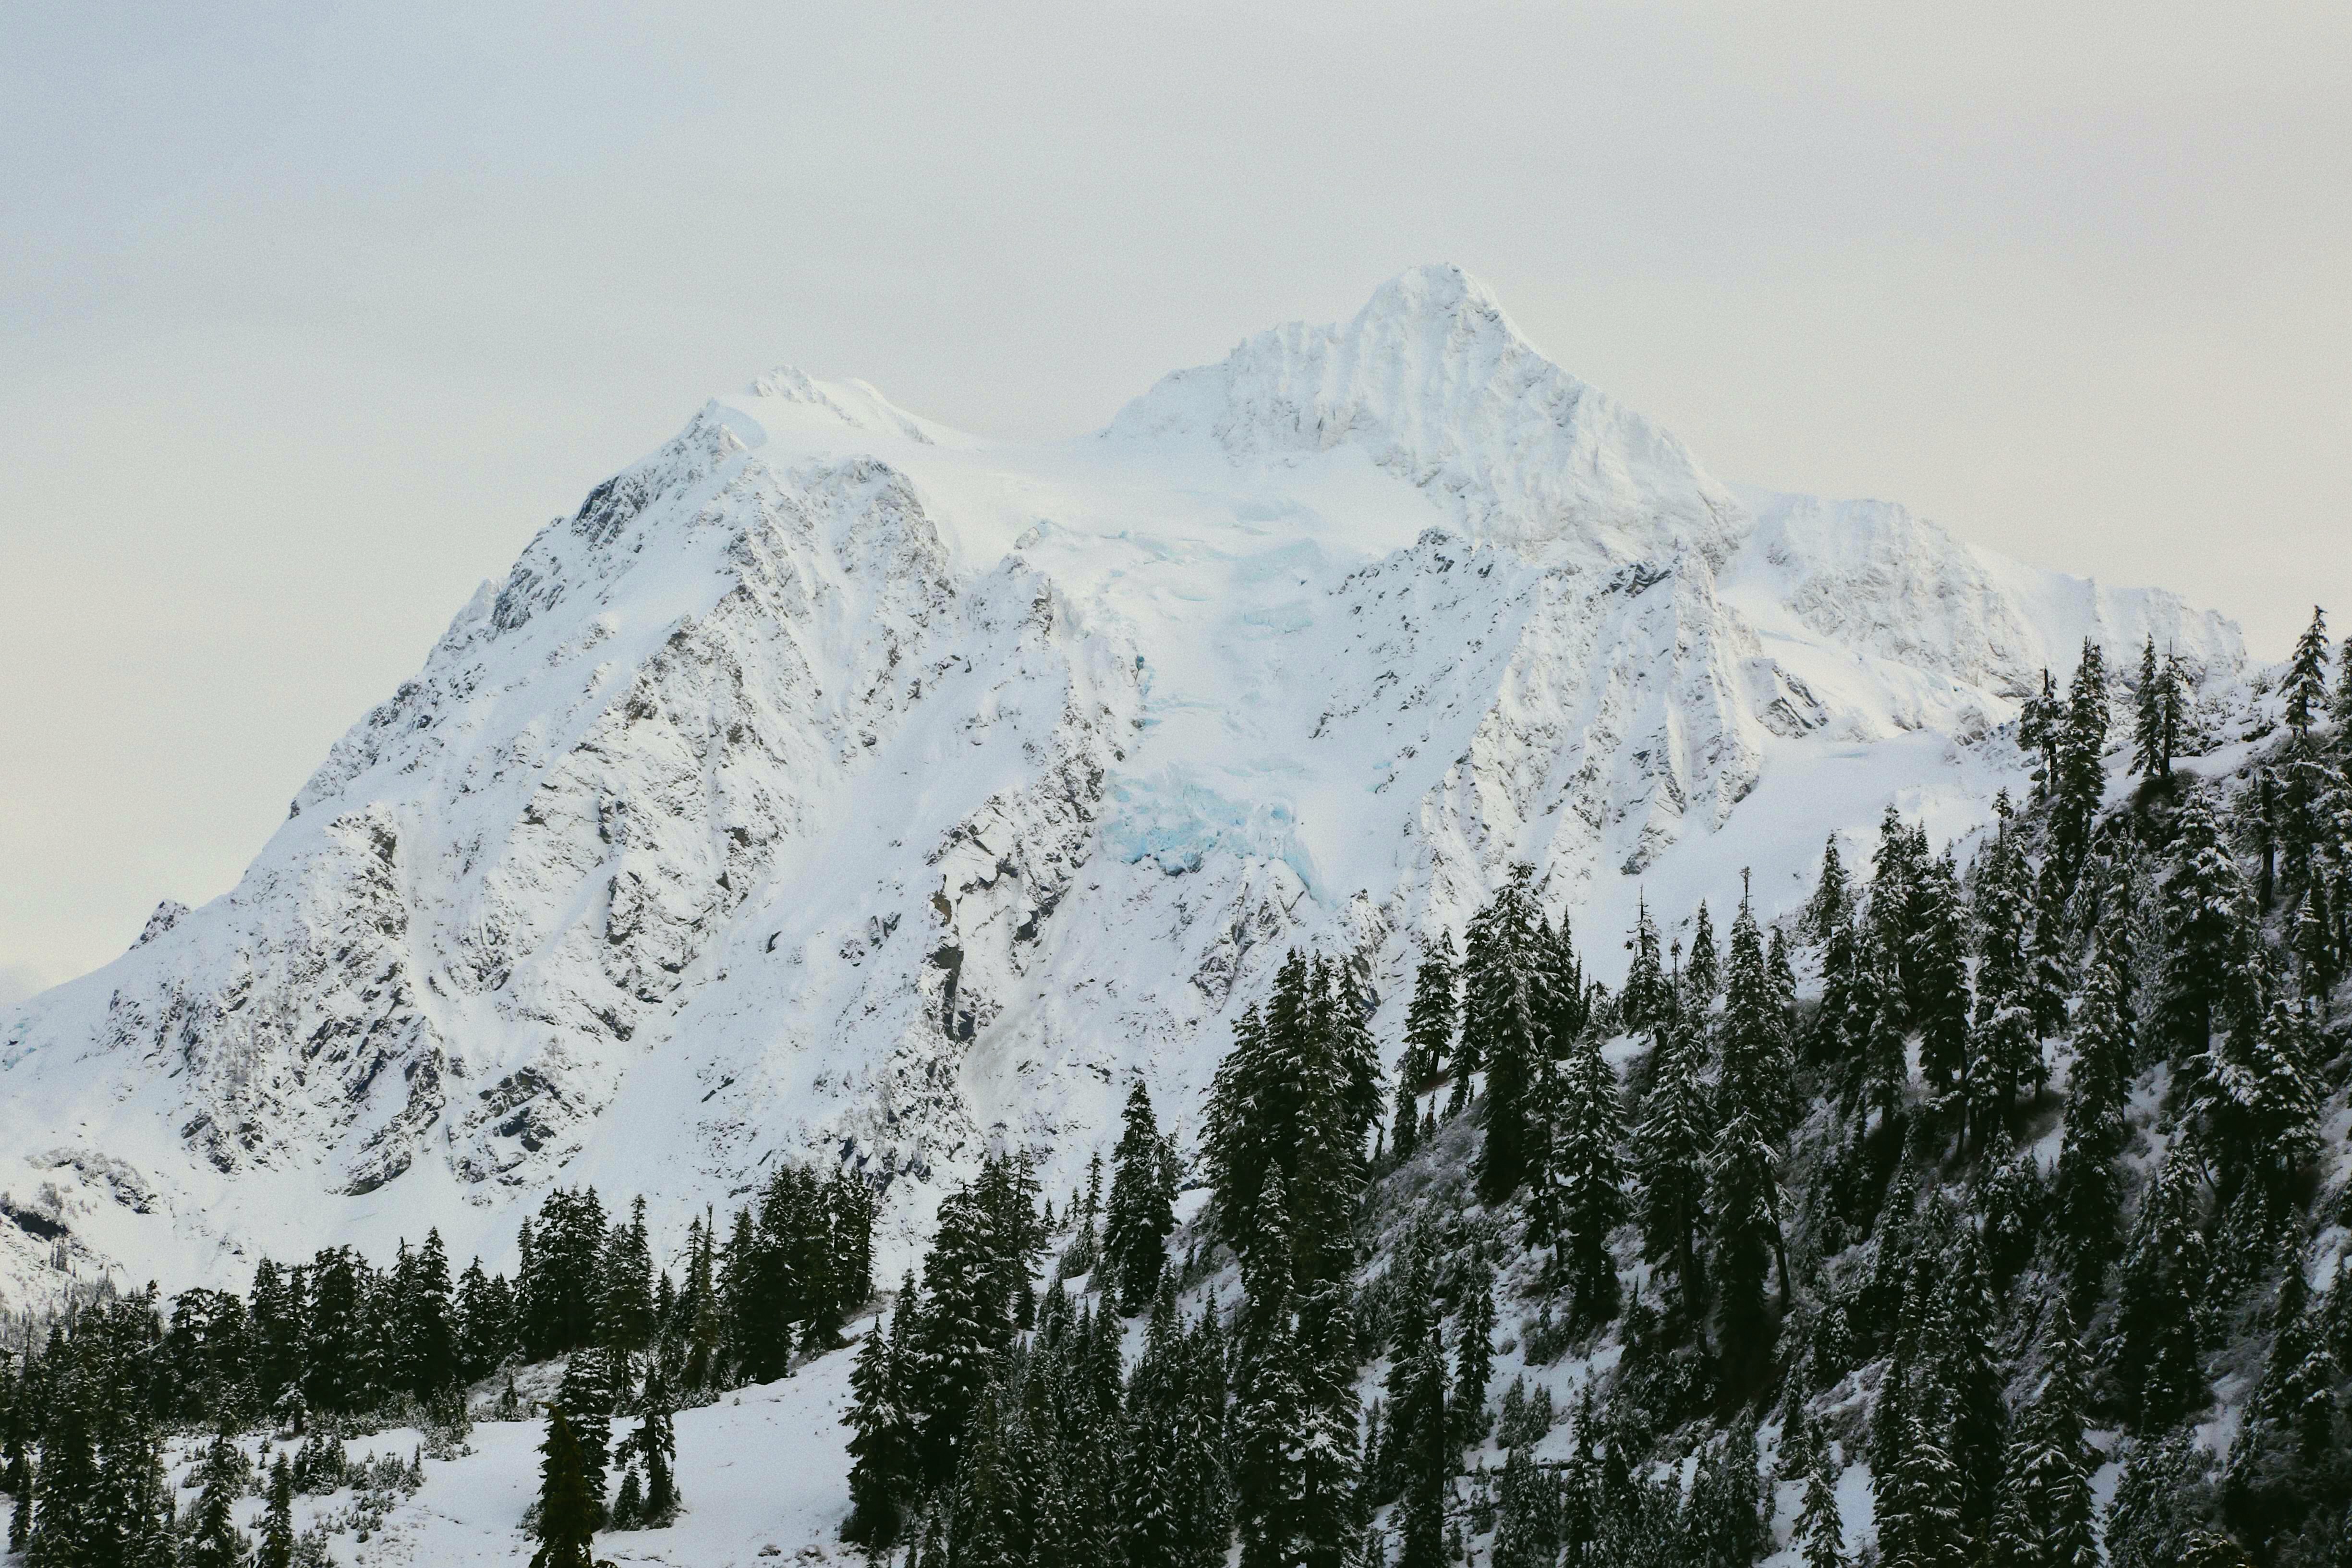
x,y
1404,1134
2040,722
1919,1501
2080,777
1821,1535
1832,904
1757,1068
2089,1186
625,1314
1964,1326
1582,1183
1936,962
1419,1423
1526,1530
1671,1149
1430,1019
1646,1000
2305,689
1474,1360
1502,1027
2256,1106
2205,958
1702,974
961,1330
2154,1351
1744,1194
1142,1207
215,1541
881,1444
568,1510
2159,705
654,1446
585,1399
278,1520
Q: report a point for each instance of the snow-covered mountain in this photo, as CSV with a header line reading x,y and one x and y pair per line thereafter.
x,y
835,786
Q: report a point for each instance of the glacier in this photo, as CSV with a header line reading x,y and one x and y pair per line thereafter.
x,y
833,786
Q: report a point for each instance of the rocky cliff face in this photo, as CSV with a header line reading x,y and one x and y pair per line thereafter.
x,y
835,786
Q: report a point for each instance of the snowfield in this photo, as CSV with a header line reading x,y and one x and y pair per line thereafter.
x,y
836,787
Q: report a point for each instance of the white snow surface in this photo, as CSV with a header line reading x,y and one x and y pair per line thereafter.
x,y
834,785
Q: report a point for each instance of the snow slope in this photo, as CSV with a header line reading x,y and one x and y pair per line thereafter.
x,y
834,785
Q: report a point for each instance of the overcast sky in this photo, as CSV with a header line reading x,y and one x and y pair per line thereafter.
x,y
311,314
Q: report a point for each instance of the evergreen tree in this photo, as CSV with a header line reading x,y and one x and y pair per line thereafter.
x,y
2205,957
2040,723
1142,1207
1419,1423
2080,777
1832,904
1527,1530
1502,1025
961,1330
2257,1105
1671,1149
1821,1535
1582,1184
654,1444
586,1397
1919,1503
1964,1326
1646,999
2154,1350
1744,1194
1404,1136
276,1549
213,1539
1430,1019
568,1509
882,1468
1474,1360
2159,704
625,1314
1936,962
1702,974
2046,1475
2305,689
1758,1070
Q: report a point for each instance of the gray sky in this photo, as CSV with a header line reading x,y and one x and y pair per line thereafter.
x,y
309,313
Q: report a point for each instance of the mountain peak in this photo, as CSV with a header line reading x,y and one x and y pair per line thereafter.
x,y
1439,292
1435,382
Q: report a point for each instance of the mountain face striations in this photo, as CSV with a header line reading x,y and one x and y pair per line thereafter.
x,y
836,787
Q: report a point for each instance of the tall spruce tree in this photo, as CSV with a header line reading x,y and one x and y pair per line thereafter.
x,y
1430,1018
2089,1191
1142,1207
568,1510
1671,1151
2153,1353
2305,690
1582,1184
1502,1025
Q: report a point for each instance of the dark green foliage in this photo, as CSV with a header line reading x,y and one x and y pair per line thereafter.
x,y
2153,1356
2089,1200
883,1460
1430,1020
568,1509
1671,1148
1142,1207
1287,1099
277,1547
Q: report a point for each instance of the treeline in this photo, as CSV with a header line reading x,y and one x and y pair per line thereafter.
x,y
338,1343
1833,1202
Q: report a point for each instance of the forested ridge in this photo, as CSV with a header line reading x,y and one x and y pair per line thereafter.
x,y
1981,1210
